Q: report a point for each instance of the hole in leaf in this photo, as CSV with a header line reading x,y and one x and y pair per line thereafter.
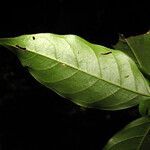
x,y
23,48
106,53
33,38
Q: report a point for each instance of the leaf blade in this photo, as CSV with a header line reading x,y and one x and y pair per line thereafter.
x,y
88,74
135,136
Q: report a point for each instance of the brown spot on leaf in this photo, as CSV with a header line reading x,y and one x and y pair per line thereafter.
x,y
23,48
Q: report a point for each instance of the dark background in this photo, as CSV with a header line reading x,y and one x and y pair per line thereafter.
x,y
31,116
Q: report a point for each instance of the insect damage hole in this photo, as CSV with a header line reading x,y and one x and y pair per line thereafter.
x,y
23,48
33,37
106,53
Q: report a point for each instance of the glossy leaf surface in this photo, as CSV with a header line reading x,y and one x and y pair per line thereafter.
x,y
90,75
135,136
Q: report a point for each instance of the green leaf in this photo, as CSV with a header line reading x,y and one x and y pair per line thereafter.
x,y
90,75
144,108
135,136
138,48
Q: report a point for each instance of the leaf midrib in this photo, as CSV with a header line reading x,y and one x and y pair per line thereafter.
x,y
88,73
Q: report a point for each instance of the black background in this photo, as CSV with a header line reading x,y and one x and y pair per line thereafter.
x,y
31,116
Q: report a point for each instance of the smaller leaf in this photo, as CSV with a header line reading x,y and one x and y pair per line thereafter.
x,y
135,136
144,107
138,48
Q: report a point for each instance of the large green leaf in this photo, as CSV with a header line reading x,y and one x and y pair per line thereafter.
x,y
135,136
137,47
90,75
